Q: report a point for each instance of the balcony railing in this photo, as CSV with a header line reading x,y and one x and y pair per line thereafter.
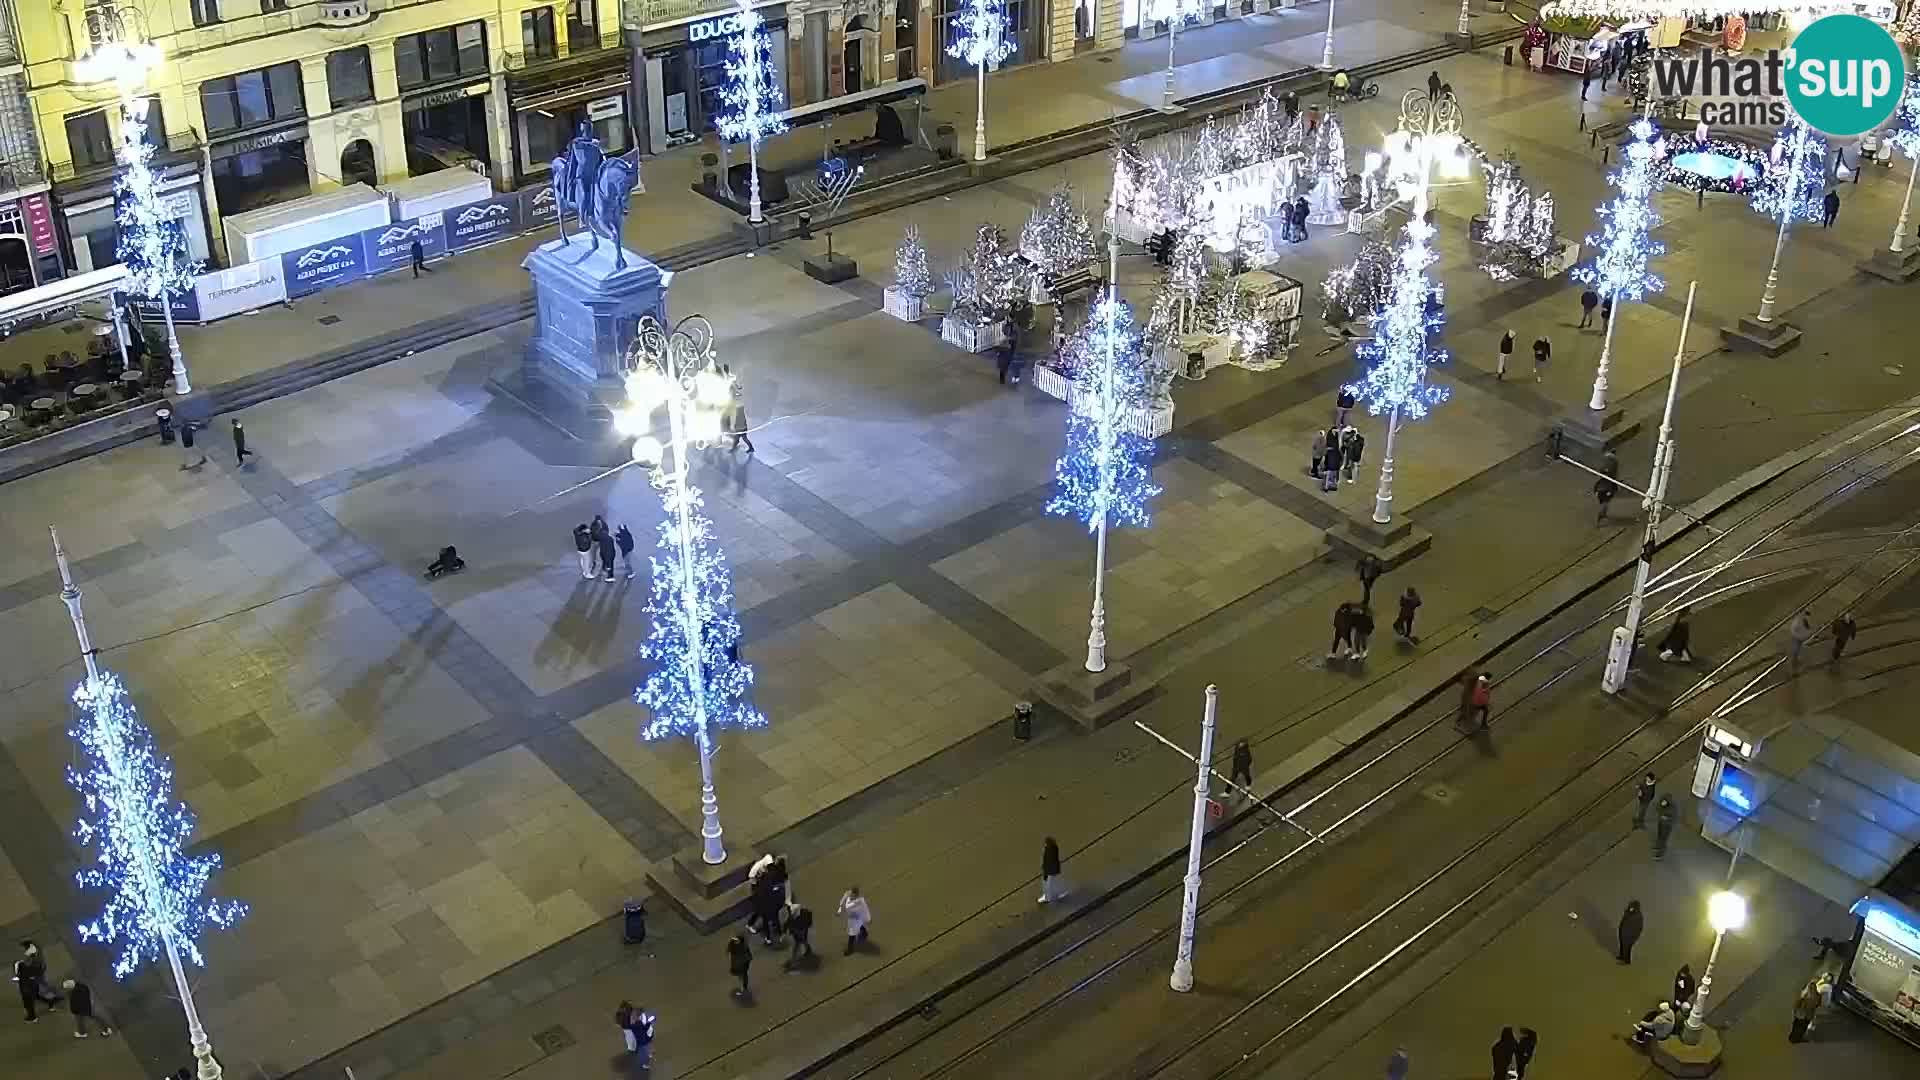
x,y
520,60
178,145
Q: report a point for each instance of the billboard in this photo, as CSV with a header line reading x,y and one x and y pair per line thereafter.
x,y
482,222
186,307
242,288
538,207
323,265
390,247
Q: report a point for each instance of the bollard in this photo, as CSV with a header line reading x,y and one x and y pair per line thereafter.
x,y
1606,154
1023,720
633,922
803,225
1508,58
165,417
1701,202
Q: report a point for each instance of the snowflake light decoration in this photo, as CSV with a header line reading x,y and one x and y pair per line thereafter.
x,y
980,34
1625,241
751,97
1903,134
139,833
1105,475
1400,351
1796,178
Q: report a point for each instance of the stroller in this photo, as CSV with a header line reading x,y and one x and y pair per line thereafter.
x,y
449,562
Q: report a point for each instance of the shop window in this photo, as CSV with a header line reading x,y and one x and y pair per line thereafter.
x,y
89,140
906,34
253,97
250,98
269,6
536,34
448,53
156,120
205,12
349,76
583,25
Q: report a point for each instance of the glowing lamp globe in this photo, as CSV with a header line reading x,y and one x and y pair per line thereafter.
x,y
646,389
712,388
630,421
647,451
703,425
118,61
1726,911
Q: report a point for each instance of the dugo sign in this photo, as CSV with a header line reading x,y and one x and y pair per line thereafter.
x,y
712,29
1842,76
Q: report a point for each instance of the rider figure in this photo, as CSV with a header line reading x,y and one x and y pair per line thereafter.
x,y
1340,82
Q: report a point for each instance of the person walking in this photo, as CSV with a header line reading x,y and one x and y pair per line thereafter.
x,y
800,925
583,545
1632,922
636,1030
1505,1049
1330,466
1805,1007
1398,1064
1674,647
1433,85
739,962
1003,357
737,425
186,443
80,1004
623,536
1664,814
1343,403
1843,630
1797,635
1586,80
853,908
596,531
1480,701
240,451
1355,445
1683,985
1603,492
1051,886
1342,642
1403,624
1523,1053
1319,453
1829,209
1362,630
1542,352
1643,798
1242,774
607,546
1300,218
1588,301
417,254
1369,569
30,973
1506,354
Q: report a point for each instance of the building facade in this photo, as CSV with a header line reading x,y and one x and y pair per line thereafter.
x,y
258,102
29,247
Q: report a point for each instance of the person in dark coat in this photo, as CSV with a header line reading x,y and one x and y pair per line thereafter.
x,y
739,961
1362,630
1674,647
799,924
1631,923
606,551
1588,301
1300,218
186,443
596,532
1663,817
1505,1049
1319,453
1403,624
1683,985
1009,344
1342,632
1242,773
240,451
1369,569
1352,445
1398,1064
1843,630
1586,80
30,977
1542,352
1523,1053
583,545
1643,798
80,1004
1051,887
1330,466
1343,404
1829,209
1506,354
417,255
1433,85
1605,488
623,537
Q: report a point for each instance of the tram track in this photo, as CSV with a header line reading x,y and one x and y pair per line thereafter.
x,y
1322,814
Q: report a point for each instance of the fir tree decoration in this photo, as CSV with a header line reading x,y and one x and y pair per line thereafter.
x,y
911,275
150,244
751,99
1058,238
1796,176
156,893
994,278
1503,185
1624,247
1328,163
1104,477
1360,288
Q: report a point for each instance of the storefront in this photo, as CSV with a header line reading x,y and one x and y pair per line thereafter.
x,y
549,105
260,168
29,246
86,211
446,127
1026,21
686,69
1882,981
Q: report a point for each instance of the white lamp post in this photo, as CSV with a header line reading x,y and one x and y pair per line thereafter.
x,y
1464,15
1725,911
1182,978
1796,161
1326,46
981,40
1899,242
1176,12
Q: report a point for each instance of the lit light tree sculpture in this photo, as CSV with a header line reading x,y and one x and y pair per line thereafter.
x,y
1361,287
1328,163
1624,247
1904,136
1105,477
1400,353
980,38
1058,238
697,683
156,906
1504,191
1791,190
751,99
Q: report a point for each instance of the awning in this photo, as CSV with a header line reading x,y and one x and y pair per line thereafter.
x,y
56,297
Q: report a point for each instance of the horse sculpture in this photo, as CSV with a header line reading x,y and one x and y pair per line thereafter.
x,y
596,189
611,192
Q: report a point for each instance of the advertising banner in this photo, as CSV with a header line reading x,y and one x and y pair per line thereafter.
x,y
242,288
390,247
186,307
538,207
482,222
39,217
323,265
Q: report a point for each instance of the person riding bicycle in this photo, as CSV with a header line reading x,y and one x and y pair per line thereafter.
x,y
1340,83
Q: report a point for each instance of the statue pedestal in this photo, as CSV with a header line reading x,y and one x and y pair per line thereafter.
x,y
586,314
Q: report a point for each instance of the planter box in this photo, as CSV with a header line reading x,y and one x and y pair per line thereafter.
x,y
971,336
903,305
1149,423
1051,382
1569,258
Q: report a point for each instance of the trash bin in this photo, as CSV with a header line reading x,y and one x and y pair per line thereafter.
x,y
1509,56
165,419
803,225
709,179
633,922
946,143
1023,720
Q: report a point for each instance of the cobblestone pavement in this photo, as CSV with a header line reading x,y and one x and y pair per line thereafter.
x,y
432,789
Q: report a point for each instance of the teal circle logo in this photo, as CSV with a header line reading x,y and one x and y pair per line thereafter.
x,y
1845,75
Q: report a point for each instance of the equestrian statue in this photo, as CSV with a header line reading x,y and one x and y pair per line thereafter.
x,y
596,188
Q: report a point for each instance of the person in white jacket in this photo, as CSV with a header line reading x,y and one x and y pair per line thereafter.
x,y
853,908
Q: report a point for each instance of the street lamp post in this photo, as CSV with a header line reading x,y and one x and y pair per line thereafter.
x,y
1899,242
981,40
1326,46
1464,16
1725,911
1176,16
1182,978
1770,294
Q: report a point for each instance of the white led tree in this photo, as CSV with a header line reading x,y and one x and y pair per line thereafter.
x,y
1791,190
156,904
751,98
1058,238
980,38
1328,162
1904,136
1400,353
911,274
1624,245
1104,477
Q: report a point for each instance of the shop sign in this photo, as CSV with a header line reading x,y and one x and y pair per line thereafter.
x,y
240,288
323,265
390,247
602,108
538,207
444,97
248,145
482,222
662,12
709,29
186,306
38,213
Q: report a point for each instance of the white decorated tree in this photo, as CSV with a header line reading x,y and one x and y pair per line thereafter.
x,y
911,275
1361,287
1327,163
1503,190
752,98
1058,238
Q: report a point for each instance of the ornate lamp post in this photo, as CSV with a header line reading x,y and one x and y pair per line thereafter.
x,y
1326,46
1725,911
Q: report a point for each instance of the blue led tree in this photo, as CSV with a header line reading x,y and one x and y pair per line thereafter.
x,y
752,99
1791,190
1903,135
1401,351
1625,246
156,904
980,38
1105,476
150,243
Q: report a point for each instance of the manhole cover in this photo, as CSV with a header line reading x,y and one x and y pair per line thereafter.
x,y
328,320
554,1039
1440,793
1483,614
1312,662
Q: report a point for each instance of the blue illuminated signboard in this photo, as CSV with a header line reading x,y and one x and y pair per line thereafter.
x,y
1736,790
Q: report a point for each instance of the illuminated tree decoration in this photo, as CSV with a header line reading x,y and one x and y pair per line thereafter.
x,y
751,98
694,637
1796,178
980,34
1361,287
139,833
911,274
1903,134
1058,238
1624,245
150,244
1503,188
1105,475
1400,351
